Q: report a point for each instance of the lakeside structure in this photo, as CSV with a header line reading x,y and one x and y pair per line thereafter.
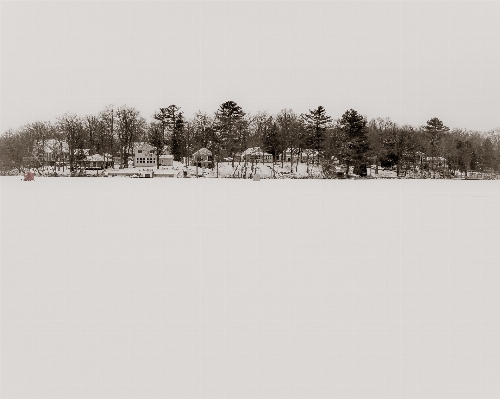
x,y
52,158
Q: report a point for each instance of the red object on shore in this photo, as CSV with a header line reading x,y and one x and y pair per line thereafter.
x,y
29,176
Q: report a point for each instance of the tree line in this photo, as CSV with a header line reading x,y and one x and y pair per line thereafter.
x,y
351,140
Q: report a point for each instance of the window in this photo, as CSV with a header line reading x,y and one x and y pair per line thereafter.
x,y
139,151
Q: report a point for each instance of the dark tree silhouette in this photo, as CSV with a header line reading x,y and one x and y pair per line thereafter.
x,y
316,122
354,127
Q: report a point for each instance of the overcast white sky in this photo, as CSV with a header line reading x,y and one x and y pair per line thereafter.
x,y
409,61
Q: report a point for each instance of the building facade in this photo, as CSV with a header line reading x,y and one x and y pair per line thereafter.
x,y
144,155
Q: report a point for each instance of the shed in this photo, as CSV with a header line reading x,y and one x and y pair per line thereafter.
x,y
166,160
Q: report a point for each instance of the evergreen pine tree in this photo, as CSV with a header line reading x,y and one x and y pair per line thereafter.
x,y
354,127
316,122
231,127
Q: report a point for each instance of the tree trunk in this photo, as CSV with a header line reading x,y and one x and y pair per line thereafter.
x,y
70,161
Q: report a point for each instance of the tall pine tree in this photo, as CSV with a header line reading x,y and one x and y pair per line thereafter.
x,y
316,122
434,130
172,118
231,127
354,128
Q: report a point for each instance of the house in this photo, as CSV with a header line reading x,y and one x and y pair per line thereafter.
x,y
51,151
289,154
144,155
255,154
437,162
309,154
166,160
202,158
95,162
416,158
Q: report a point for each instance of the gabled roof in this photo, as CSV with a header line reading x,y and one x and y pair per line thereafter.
x,y
254,151
251,150
142,145
203,151
95,158
137,144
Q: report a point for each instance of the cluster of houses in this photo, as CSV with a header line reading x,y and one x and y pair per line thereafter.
x,y
203,157
56,154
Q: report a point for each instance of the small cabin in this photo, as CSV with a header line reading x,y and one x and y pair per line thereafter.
x,y
166,160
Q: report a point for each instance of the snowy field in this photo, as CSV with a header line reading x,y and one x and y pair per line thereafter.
x,y
224,288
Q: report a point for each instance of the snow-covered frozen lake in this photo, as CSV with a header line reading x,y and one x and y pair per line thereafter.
x,y
213,288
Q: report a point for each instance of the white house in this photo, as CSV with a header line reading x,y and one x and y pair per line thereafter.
x,y
256,154
144,155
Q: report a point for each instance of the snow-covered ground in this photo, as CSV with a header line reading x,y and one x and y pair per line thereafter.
x,y
218,288
265,170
